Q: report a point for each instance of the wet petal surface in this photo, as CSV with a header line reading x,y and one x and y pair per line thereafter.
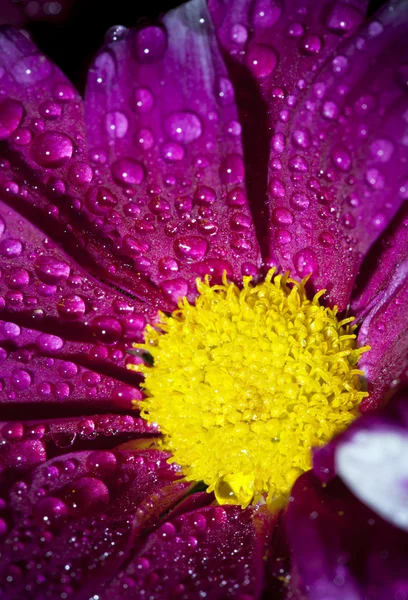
x,y
170,145
337,147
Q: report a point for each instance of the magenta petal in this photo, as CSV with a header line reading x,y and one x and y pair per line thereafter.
x,y
382,306
46,173
337,147
163,130
64,334
214,552
75,517
340,549
28,443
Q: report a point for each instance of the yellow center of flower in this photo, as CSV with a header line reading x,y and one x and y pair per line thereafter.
x,y
246,381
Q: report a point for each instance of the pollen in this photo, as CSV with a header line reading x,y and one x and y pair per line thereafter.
x,y
246,381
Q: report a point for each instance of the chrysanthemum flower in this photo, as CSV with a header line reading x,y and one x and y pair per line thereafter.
x,y
182,321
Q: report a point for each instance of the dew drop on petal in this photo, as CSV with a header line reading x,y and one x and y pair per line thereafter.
x,y
127,171
262,60
116,124
51,149
183,126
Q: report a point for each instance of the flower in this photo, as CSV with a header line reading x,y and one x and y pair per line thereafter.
x,y
110,210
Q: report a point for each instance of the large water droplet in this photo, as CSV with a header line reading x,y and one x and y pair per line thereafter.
x,y
232,169
11,113
262,60
190,248
265,13
183,126
106,329
116,124
32,69
306,262
172,152
51,270
71,307
143,100
100,200
150,44
51,149
127,171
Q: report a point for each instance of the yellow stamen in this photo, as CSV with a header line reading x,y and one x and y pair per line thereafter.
x,y
246,381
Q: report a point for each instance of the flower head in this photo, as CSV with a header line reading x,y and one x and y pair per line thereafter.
x,y
219,143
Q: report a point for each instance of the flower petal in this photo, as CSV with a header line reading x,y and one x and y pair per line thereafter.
x,y
64,334
77,516
382,305
28,443
46,174
328,142
340,549
162,123
214,552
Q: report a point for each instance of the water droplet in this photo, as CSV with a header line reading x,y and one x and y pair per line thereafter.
x,y
175,288
22,136
11,247
49,343
49,511
341,158
172,152
224,91
127,171
21,380
106,329
282,216
262,60
330,110
238,34
236,198
116,34
51,270
326,239
310,45
190,248
295,30
17,278
343,18
340,64
375,179
184,127
298,164
232,169
301,138
348,221
11,114
71,308
86,495
305,262
277,188
365,104
278,142
382,150
32,69
143,100
50,110
150,44
265,13
51,149
144,138
63,91
80,174
116,124
375,28
100,200
283,237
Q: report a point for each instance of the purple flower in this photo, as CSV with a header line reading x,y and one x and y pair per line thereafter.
x,y
269,134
